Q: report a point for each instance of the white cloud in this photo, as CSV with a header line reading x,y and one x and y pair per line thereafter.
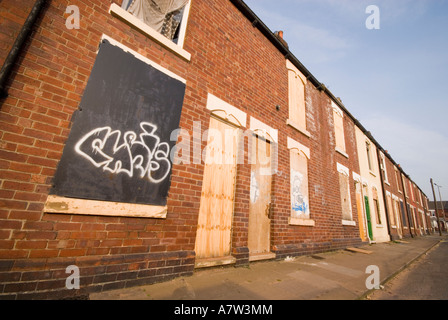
x,y
312,43
422,152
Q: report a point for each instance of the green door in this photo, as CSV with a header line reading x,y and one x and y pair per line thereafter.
x,y
369,220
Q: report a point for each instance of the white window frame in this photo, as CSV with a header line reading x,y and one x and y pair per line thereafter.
x,y
142,27
384,168
397,179
370,161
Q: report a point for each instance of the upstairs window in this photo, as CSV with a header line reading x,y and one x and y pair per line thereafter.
x,y
383,168
369,155
338,117
411,190
164,16
297,108
397,180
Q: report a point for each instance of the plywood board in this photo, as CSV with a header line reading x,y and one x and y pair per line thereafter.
x,y
213,237
260,197
56,204
359,250
299,185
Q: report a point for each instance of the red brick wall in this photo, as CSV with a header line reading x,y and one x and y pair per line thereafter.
x,y
325,199
231,60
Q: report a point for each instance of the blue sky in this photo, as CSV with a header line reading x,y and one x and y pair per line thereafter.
x,y
393,80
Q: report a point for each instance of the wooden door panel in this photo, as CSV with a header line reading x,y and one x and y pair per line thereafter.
x,y
259,208
216,208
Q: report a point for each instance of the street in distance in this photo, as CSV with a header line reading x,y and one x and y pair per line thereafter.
x,y
228,309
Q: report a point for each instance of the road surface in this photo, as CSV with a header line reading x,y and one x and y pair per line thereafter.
x,y
425,279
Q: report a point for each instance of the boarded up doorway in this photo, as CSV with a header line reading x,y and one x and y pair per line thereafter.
x,y
213,239
259,234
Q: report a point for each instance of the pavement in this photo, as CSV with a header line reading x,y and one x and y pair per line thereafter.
x,y
336,275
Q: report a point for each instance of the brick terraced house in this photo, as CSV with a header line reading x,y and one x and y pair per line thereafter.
x,y
141,140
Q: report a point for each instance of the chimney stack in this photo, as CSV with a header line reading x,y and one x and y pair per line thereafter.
x,y
279,35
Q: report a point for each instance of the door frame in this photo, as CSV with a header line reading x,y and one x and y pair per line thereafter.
x,y
226,259
266,253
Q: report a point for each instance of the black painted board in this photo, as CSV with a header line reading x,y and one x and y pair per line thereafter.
x,y
119,145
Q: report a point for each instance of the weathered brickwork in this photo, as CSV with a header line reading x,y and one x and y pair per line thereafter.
x,y
230,59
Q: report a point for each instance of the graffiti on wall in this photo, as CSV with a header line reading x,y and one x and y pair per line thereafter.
x,y
299,202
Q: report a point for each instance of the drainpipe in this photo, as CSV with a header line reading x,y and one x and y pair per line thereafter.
x,y
18,45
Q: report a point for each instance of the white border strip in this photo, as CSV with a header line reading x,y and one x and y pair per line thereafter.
x,y
226,111
343,169
57,204
148,31
293,144
263,130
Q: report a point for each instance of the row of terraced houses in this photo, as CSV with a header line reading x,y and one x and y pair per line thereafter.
x,y
142,140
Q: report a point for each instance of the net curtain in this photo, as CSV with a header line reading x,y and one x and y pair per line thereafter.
x,y
158,14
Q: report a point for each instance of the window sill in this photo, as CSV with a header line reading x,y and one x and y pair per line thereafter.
x,y
348,223
341,152
302,222
139,25
379,226
294,125
387,182
372,173
57,204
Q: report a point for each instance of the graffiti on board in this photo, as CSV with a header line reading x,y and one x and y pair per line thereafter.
x,y
140,155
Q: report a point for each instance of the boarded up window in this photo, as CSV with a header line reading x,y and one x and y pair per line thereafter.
x,y
396,204
216,209
299,190
403,214
297,111
377,205
397,180
345,196
119,146
300,206
338,117
391,210
369,155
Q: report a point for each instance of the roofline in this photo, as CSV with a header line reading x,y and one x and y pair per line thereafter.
x,y
257,23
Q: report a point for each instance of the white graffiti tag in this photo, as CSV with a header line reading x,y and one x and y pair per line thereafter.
x,y
140,155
